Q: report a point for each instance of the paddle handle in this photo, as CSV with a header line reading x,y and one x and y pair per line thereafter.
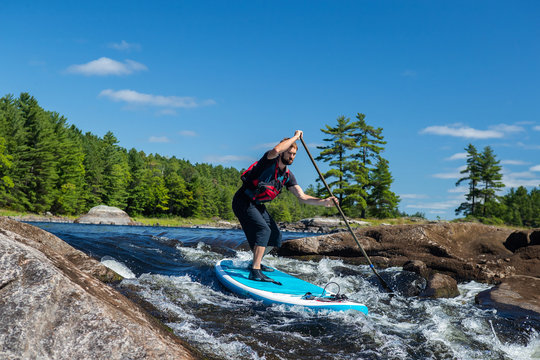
x,y
336,203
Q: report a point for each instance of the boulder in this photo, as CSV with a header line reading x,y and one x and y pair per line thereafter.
x,y
440,286
517,240
417,267
516,296
52,307
534,238
107,215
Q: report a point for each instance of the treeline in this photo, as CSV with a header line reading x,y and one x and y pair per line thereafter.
x,y
484,178
47,165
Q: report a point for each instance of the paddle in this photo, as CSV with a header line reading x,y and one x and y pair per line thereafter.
x,y
384,284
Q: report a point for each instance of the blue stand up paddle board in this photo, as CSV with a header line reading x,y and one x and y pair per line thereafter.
x,y
234,275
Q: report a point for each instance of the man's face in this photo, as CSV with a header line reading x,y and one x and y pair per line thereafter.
x,y
288,156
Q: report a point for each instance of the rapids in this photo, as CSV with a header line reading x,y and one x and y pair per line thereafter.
x,y
172,269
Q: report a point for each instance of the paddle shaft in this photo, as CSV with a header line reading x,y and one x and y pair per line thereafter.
x,y
336,203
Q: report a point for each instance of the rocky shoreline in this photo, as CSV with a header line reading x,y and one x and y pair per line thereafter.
x,y
442,254
55,305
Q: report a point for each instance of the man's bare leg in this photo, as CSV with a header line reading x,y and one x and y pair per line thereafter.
x,y
258,253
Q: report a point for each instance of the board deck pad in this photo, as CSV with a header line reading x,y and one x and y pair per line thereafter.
x,y
234,275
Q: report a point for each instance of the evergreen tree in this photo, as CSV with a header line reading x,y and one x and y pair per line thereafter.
x,y
37,156
71,174
6,183
490,177
382,201
473,176
369,142
115,172
180,198
336,154
94,164
136,187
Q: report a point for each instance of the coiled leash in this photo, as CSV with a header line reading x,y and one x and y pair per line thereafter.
x,y
329,298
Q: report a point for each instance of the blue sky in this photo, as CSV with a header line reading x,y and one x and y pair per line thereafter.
x,y
220,81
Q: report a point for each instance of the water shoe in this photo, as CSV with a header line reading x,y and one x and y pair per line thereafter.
x,y
257,275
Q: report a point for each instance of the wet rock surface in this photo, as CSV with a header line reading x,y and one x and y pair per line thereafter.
x,y
462,251
518,296
53,306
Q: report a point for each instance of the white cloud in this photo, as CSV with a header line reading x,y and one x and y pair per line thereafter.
x,y
456,174
513,162
458,190
441,205
188,133
159,139
134,97
458,156
507,128
413,196
462,131
105,66
528,147
517,179
125,46
228,158
536,128
535,168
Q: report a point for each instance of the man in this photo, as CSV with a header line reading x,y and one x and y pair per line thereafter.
x,y
262,182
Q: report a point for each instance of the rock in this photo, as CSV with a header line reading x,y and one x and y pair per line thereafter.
x,y
418,267
408,283
534,238
53,308
464,251
516,240
108,215
516,296
440,286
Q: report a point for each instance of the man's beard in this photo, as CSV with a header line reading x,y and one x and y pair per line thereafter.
x,y
285,161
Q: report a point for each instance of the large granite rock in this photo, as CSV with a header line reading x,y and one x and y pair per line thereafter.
x,y
107,215
463,251
518,296
52,306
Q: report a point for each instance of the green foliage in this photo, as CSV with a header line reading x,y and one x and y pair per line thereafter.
x,y
46,165
382,203
483,173
359,183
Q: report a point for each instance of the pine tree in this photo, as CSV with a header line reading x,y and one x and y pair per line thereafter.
x,y
38,156
115,172
473,173
336,154
369,141
490,177
382,201
71,174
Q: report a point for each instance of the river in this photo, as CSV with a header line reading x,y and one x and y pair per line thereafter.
x,y
172,269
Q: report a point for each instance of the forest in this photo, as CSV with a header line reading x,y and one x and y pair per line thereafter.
x,y
48,165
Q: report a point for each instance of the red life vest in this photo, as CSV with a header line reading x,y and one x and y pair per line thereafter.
x,y
266,186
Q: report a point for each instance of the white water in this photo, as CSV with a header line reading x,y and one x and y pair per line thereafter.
x,y
225,326
118,267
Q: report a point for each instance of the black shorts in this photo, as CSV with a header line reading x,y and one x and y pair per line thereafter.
x,y
258,225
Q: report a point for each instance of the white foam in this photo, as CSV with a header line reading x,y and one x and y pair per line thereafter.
x,y
118,267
